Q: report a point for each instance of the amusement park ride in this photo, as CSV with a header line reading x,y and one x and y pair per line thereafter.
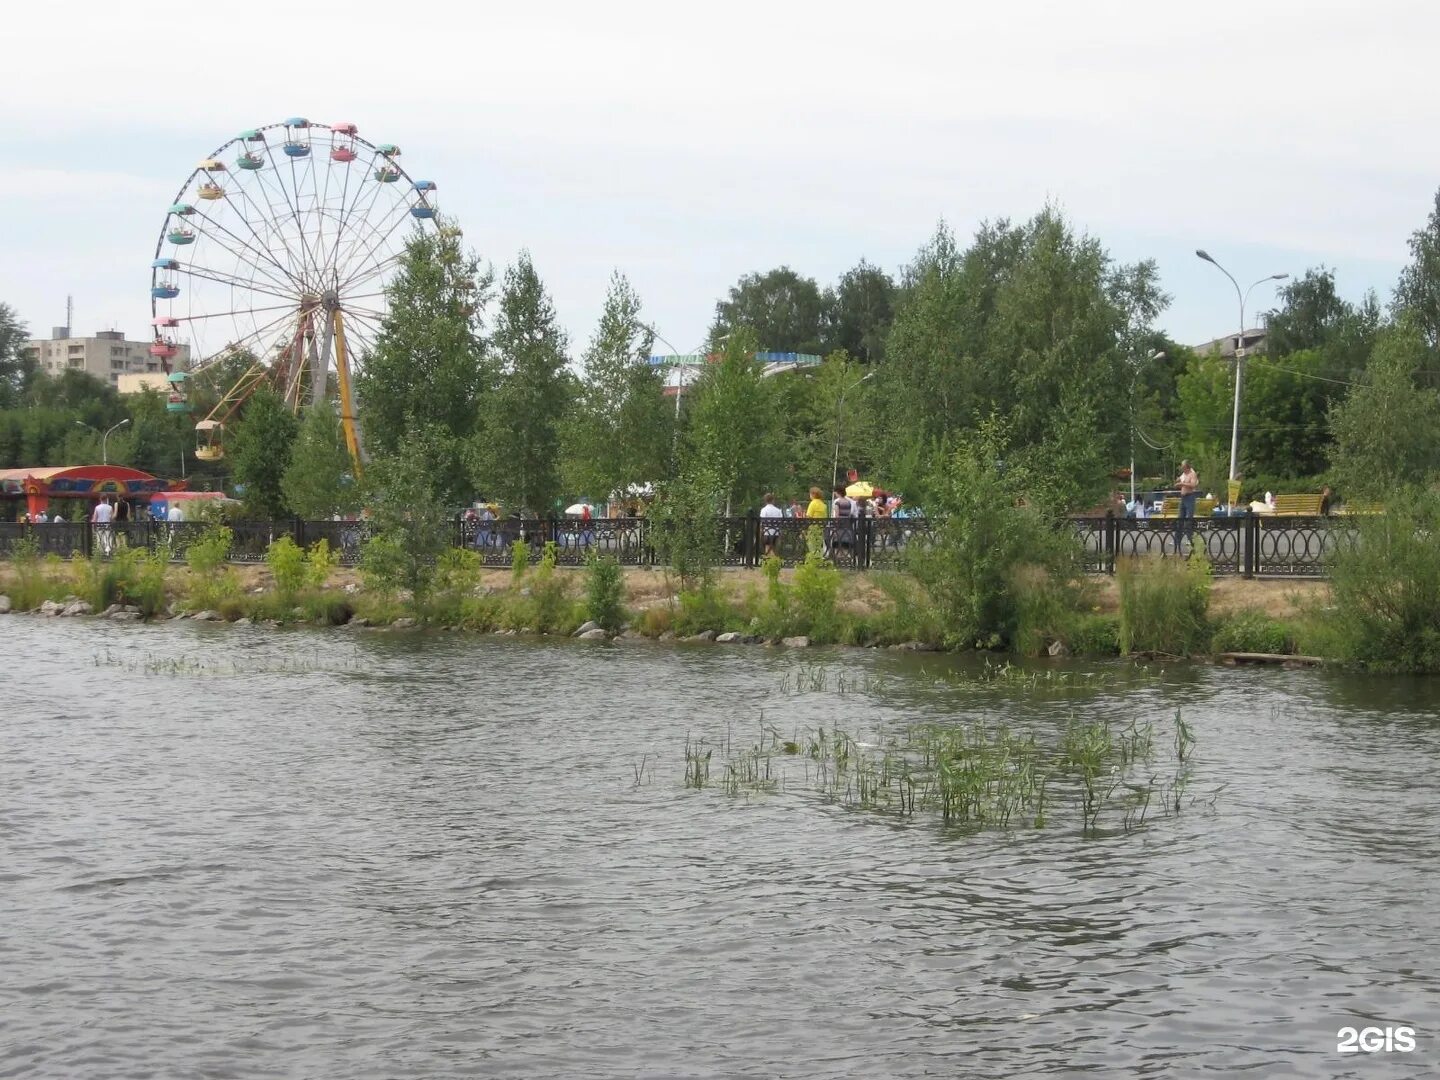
x,y
277,251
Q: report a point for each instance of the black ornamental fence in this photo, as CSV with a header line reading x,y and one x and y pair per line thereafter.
x,y
1248,546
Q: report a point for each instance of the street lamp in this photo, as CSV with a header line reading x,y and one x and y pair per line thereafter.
x,y
104,439
1239,356
839,418
1158,354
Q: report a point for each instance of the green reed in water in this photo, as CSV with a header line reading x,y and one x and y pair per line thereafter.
x,y
977,774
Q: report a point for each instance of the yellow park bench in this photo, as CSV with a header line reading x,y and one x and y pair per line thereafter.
x,y
1170,508
1298,505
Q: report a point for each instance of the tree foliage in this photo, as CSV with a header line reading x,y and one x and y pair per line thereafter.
x,y
517,455
782,310
732,433
430,362
1387,431
620,432
318,483
259,453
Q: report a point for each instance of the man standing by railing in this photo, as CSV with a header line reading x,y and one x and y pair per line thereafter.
x,y
101,518
1187,482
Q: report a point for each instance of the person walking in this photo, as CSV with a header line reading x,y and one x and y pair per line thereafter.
x,y
769,528
1188,481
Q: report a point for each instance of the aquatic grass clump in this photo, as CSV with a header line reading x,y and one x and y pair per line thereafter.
x,y
976,774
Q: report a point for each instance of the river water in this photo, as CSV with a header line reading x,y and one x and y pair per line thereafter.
x,y
236,852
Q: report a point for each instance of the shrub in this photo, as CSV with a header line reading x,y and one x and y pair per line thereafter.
x,y
457,573
1250,631
984,533
30,587
605,592
817,587
1163,604
910,616
286,560
1386,588
519,560
1047,609
682,524
208,553
656,621
702,609
1094,634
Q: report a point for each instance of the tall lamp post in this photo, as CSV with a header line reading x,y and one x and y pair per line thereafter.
x,y
839,420
1158,354
104,439
1240,352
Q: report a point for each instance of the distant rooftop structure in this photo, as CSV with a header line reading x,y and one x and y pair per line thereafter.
x,y
683,370
1224,347
106,355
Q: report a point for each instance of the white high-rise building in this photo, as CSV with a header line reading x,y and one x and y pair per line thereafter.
x,y
106,355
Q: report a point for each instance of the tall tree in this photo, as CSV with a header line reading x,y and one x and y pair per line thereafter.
x,y
13,365
1417,296
1033,324
858,312
430,361
783,309
1387,431
1313,315
620,434
517,455
259,453
318,483
732,431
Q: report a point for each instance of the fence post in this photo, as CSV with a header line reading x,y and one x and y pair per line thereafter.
x,y
1250,530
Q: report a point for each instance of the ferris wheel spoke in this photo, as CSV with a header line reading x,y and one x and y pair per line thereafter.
x,y
366,260
339,220
222,278
297,191
375,271
243,341
359,238
237,311
285,280
276,214
342,259
266,213
342,216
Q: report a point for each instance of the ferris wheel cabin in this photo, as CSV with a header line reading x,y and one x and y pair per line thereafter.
x,y
209,440
342,143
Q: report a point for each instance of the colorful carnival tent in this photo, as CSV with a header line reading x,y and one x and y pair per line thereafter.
x,y
37,486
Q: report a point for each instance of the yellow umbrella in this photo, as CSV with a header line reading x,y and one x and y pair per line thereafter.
x,y
860,490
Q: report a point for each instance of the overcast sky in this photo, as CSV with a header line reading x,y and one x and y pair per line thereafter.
x,y
687,144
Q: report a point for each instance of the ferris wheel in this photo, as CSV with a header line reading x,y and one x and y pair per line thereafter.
x,y
276,252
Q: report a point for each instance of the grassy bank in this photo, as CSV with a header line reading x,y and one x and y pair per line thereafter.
x,y
1156,608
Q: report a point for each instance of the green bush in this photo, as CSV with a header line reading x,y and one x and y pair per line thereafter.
x,y
457,575
1047,609
286,560
817,589
1094,634
703,609
208,553
984,532
1386,588
1250,631
519,560
605,592
1163,604
30,585
910,616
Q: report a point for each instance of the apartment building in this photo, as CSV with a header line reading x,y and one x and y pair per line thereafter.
x,y
106,355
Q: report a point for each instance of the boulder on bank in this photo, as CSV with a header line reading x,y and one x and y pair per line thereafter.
x,y
206,616
51,607
125,616
705,636
800,642
597,634
406,623
730,638
586,627
4,605
77,607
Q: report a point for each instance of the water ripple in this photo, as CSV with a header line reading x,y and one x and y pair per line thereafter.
x,y
325,855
